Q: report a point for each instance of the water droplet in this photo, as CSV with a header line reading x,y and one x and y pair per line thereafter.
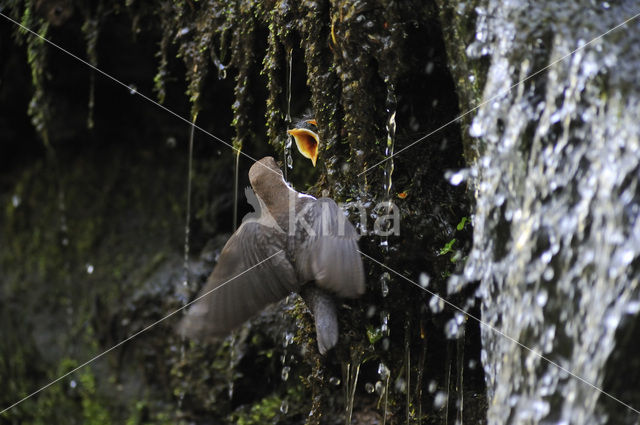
x,y
379,387
385,344
284,406
89,268
334,381
65,241
285,373
424,280
542,297
15,201
385,278
384,317
171,142
288,339
458,177
73,383
371,310
401,385
476,129
368,387
429,68
436,304
439,400
473,364
433,386
451,329
383,371
133,89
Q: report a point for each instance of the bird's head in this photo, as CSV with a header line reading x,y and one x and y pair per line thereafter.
x,y
265,177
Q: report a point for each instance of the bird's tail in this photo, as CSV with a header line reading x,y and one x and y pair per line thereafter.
x,y
323,308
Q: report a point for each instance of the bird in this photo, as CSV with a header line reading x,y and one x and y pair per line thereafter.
x,y
292,243
307,139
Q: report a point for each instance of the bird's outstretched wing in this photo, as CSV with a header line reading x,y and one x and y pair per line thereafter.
x,y
240,285
329,255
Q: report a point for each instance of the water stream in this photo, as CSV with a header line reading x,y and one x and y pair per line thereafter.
x,y
556,232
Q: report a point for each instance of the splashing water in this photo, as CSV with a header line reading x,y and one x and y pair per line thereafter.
x,y
556,229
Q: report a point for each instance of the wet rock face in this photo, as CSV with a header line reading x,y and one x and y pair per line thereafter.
x,y
56,12
373,74
556,230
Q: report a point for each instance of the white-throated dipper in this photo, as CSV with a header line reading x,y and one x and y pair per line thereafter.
x,y
316,255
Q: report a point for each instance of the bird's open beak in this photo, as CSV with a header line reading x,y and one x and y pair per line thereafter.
x,y
307,142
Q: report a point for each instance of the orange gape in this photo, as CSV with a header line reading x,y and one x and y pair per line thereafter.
x,y
307,142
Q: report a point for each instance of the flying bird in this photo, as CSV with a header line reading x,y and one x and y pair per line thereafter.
x,y
311,249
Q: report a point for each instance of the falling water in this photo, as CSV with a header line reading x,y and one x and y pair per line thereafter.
x,y
388,152
460,378
556,243
92,101
407,351
187,225
350,389
91,30
447,385
385,375
236,183
183,291
288,143
420,372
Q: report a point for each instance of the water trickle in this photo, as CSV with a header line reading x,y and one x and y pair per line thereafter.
x,y
236,183
288,143
187,224
460,379
388,153
350,389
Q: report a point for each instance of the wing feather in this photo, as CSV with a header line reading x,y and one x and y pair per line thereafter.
x,y
240,286
330,256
